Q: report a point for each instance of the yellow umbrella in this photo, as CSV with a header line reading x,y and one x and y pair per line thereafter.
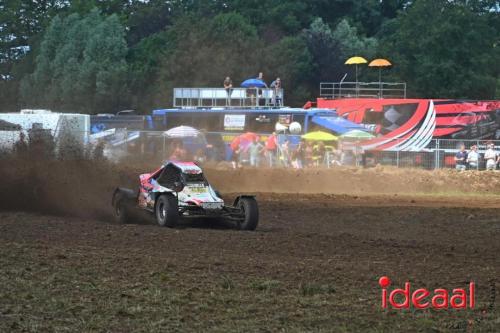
x,y
356,60
319,136
380,63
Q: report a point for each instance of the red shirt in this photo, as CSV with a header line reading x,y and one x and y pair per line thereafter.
x,y
271,143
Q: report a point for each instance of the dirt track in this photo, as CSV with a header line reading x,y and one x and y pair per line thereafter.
x,y
312,265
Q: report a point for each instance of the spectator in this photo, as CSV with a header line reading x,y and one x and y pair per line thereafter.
x,y
184,154
255,149
359,154
491,157
298,156
347,157
251,93
473,158
199,156
235,158
309,154
276,85
319,153
261,77
177,153
228,85
21,146
285,153
334,157
271,148
259,91
461,159
98,153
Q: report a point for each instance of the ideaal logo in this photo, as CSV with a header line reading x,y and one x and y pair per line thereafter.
x,y
421,298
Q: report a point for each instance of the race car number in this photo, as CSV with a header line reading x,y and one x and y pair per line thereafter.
x,y
198,189
211,205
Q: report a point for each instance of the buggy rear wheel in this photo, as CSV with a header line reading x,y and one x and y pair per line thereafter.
x,y
121,209
167,211
250,209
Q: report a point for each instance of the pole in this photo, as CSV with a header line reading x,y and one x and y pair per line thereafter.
x,y
437,156
357,90
380,82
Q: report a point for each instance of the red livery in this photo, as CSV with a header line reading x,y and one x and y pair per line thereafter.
x,y
410,124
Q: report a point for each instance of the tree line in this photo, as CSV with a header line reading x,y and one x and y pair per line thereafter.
x,y
108,55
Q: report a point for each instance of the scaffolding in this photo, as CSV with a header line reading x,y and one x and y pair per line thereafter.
x,y
227,98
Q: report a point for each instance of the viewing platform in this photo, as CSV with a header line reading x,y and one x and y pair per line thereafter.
x,y
227,98
336,90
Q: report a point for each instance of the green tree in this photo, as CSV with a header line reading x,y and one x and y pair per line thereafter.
x,y
81,65
445,49
204,51
291,61
20,23
330,48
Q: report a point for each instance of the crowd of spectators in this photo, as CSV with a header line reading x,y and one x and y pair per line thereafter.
x,y
304,154
471,160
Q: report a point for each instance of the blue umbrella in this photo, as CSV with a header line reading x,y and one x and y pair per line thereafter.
x,y
253,83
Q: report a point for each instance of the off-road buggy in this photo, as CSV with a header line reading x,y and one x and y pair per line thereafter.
x,y
179,189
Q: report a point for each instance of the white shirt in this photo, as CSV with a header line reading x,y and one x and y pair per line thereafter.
x,y
490,154
473,156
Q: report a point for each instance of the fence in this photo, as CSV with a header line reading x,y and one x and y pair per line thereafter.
x,y
440,153
122,144
362,89
227,98
152,145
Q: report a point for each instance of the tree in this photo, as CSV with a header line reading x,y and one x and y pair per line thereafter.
x,y
204,51
148,18
445,49
291,61
81,65
20,22
68,55
330,48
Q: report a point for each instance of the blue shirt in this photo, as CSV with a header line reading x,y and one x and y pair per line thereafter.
x,y
461,155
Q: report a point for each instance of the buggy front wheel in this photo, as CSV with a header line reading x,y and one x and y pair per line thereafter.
x,y
250,209
167,211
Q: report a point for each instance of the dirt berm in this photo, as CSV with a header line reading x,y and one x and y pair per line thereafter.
x,y
84,188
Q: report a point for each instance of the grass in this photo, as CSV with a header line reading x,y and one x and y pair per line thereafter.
x,y
311,289
265,285
94,292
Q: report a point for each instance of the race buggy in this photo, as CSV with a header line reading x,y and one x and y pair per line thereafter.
x,y
179,189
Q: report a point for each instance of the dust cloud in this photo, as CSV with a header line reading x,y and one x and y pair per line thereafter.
x,y
84,188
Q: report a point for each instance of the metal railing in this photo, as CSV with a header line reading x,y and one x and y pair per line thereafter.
x,y
440,153
227,98
121,145
362,90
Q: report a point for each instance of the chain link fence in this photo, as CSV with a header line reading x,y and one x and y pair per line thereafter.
x,y
216,146
122,144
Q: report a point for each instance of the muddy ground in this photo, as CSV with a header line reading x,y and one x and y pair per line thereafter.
x,y
324,239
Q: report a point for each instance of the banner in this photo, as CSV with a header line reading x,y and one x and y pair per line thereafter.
x,y
234,122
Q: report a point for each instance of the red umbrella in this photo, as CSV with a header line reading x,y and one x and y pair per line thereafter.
x,y
243,140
